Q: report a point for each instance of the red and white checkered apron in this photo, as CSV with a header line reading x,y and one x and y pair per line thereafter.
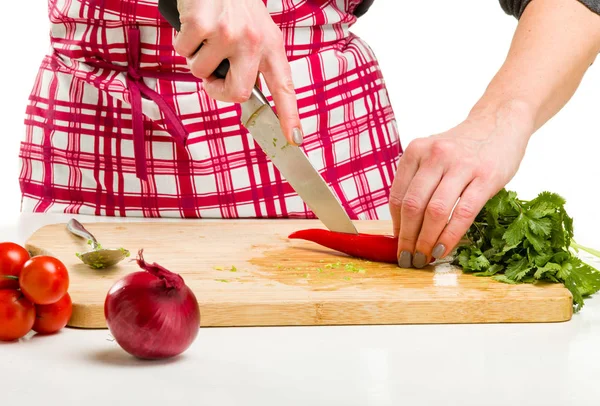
x,y
117,126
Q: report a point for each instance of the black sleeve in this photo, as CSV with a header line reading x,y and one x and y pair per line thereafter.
x,y
516,7
364,6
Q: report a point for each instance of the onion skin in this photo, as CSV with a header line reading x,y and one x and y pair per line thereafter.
x,y
150,316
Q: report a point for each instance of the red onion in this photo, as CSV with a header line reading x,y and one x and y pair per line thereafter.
x,y
152,314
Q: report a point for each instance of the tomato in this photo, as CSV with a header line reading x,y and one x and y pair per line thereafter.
x,y
12,259
17,315
53,317
44,280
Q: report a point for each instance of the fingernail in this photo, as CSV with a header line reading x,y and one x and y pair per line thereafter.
x,y
297,136
420,260
405,260
438,251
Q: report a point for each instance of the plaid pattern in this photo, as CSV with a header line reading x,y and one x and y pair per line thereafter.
x,y
78,155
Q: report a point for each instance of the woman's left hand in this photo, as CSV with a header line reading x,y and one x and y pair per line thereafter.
x,y
472,161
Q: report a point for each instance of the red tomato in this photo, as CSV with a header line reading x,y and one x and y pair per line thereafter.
x,y
17,315
12,259
53,317
44,280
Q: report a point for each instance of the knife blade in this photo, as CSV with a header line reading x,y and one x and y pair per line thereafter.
x,y
263,124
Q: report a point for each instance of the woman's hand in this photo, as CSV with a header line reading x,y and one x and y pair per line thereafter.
x,y
476,159
472,161
243,32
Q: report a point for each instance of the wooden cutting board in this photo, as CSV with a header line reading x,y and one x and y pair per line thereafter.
x,y
281,282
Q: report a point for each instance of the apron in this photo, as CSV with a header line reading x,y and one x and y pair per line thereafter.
x,y
117,126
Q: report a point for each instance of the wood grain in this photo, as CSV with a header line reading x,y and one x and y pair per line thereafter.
x,y
280,282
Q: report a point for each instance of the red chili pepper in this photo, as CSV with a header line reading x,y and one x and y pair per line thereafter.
x,y
376,248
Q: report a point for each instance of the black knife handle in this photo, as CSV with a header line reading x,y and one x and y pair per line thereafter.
x,y
168,9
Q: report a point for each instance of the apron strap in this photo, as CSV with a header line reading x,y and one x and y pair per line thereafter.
x,y
137,88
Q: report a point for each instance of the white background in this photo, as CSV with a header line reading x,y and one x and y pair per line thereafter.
x,y
437,57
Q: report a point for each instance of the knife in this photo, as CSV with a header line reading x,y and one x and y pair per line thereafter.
x,y
263,124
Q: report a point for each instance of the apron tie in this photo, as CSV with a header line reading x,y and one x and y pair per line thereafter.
x,y
137,88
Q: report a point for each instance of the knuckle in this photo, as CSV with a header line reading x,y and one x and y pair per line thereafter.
x,y
193,31
198,70
227,33
415,149
465,211
179,47
395,201
485,171
437,210
411,205
253,36
286,86
241,95
440,149
195,25
452,236
411,149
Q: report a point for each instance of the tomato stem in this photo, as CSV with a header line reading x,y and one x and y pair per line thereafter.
x,y
12,277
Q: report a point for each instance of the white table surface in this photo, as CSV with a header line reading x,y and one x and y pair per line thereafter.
x,y
483,365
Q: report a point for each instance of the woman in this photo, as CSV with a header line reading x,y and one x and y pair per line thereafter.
x,y
118,126
126,120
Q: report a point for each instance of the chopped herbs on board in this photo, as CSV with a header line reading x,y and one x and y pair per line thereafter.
x,y
519,241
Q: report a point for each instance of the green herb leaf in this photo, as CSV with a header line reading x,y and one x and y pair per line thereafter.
x,y
492,270
540,226
550,268
516,230
517,270
504,279
517,241
479,262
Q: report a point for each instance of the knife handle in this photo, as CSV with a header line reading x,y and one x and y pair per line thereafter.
x,y
168,9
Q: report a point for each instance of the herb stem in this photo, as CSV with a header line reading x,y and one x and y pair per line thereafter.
x,y
592,251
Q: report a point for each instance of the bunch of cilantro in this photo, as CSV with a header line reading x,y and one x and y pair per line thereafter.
x,y
517,241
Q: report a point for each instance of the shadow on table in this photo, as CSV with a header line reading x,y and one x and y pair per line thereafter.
x,y
118,357
8,343
23,340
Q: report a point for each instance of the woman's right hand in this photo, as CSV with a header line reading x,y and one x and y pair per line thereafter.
x,y
243,32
